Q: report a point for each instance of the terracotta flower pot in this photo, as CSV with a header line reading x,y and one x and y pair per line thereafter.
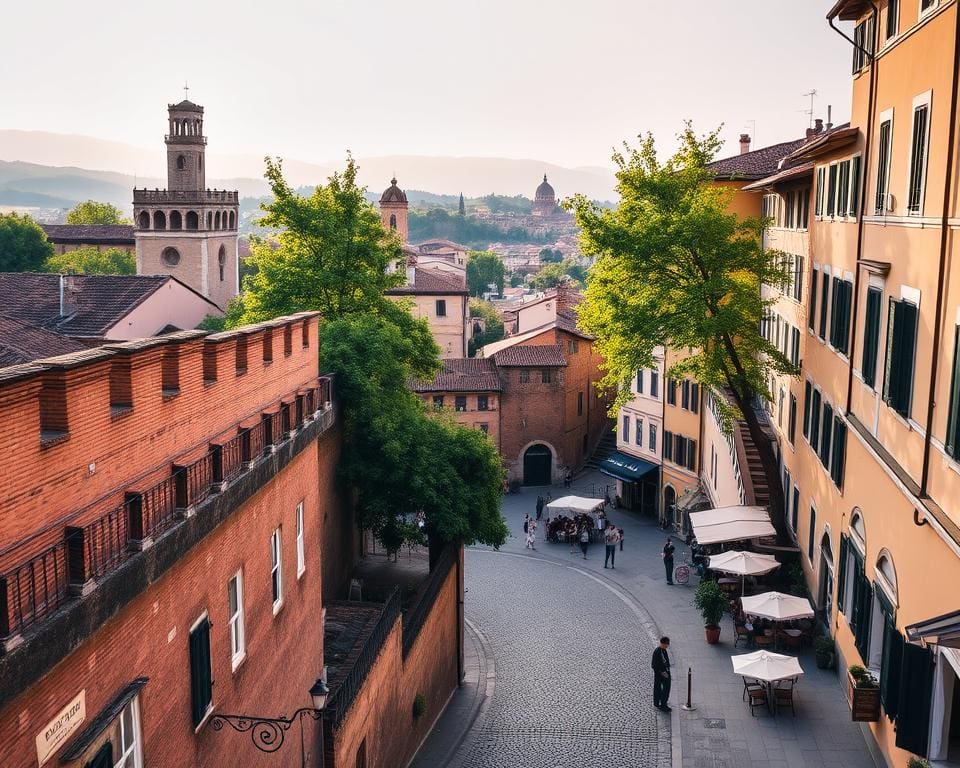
x,y
713,634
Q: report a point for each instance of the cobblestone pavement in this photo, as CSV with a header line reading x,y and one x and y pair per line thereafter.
x,y
571,689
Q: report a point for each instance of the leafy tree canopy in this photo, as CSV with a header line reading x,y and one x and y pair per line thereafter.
x,y
550,256
23,244
675,267
483,269
472,232
93,212
493,322
551,275
90,261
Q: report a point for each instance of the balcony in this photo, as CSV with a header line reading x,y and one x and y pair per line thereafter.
x,y
41,584
187,197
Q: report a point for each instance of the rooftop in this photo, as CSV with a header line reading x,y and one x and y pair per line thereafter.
x,y
22,343
534,356
432,282
121,234
756,164
472,374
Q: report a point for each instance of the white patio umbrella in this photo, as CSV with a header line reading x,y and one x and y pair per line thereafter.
x,y
743,564
766,666
777,606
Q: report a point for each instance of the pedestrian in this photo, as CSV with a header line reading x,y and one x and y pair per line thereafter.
x,y
667,555
661,675
567,480
532,534
620,531
549,497
526,523
584,540
539,507
610,537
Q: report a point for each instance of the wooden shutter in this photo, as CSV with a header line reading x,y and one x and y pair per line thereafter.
x,y
826,436
918,158
891,368
824,305
692,455
812,312
839,458
864,616
815,421
668,445
842,571
916,688
953,419
908,340
890,668
694,397
806,409
871,336
201,684
855,187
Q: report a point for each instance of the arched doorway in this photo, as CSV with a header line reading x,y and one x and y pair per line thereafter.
x,y
669,505
825,587
537,465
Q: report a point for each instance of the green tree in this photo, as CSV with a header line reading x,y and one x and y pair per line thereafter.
x,y
403,464
461,208
551,275
550,256
93,212
493,324
23,244
88,260
675,267
484,268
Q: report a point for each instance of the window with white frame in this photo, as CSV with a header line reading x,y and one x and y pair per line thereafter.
x,y
928,5
626,428
638,437
238,642
128,738
276,573
893,18
884,153
653,437
301,559
919,140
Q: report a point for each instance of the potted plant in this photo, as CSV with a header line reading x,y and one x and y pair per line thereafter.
x,y
711,602
917,762
825,652
863,694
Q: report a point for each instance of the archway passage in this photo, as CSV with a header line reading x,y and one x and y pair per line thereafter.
x,y
670,504
537,465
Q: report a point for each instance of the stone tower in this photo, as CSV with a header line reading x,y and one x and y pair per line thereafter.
x,y
393,210
187,230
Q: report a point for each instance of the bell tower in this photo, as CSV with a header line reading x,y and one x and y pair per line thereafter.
x,y
187,230
393,210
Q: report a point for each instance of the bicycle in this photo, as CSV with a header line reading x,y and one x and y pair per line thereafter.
x,y
681,574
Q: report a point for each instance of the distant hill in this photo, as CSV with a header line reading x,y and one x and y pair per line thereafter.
x,y
38,162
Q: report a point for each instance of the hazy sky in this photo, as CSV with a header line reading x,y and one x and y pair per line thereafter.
x,y
559,81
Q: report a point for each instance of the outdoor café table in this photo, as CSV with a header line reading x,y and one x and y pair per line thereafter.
x,y
767,667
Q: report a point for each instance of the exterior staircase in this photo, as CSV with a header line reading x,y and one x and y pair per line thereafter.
x,y
756,488
606,446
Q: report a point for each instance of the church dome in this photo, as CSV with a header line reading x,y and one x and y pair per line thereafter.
x,y
545,191
393,194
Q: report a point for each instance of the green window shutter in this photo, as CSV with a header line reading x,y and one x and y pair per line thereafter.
x,y
855,187
824,305
815,421
953,418
871,336
201,684
908,341
839,457
835,315
826,436
792,422
916,688
890,668
806,409
692,455
891,367
812,312
864,618
842,572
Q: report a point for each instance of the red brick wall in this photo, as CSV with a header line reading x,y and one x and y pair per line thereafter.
x,y
149,636
80,478
341,539
382,713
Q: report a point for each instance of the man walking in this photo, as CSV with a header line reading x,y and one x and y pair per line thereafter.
x,y
539,507
610,538
661,675
667,554
584,540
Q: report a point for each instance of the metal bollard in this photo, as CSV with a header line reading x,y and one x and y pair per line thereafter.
x,y
689,705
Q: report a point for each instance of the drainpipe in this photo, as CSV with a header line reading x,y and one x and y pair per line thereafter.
x,y
944,242
875,14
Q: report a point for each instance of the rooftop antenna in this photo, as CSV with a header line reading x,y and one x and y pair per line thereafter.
x,y
809,112
752,124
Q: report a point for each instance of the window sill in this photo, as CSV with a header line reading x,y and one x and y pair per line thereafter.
x,y
206,717
169,394
277,607
300,572
52,437
119,411
237,662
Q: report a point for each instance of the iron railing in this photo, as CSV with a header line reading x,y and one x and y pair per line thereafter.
x,y
37,587
338,705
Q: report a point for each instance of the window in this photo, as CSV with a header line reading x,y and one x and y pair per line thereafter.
x,y
276,574
826,434
484,427
871,336
639,382
795,510
201,682
222,260
638,432
832,191
883,165
840,318
483,403
626,429
824,299
952,442
854,208
579,403
811,536
181,162
301,560
918,157
843,188
780,407
437,402
694,397
692,455
668,445
815,420
685,395
806,409
818,204
795,290
893,17
653,437
238,645
654,384
901,348
170,256
545,376
671,392
803,208
863,44
460,403
926,5
792,419
441,307
393,221
524,375
680,449
838,457
572,346
812,312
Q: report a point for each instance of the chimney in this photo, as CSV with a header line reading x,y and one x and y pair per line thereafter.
x,y
744,143
68,295
829,124
818,125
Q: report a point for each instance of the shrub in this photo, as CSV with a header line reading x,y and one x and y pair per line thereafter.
x,y
823,644
711,602
917,762
419,706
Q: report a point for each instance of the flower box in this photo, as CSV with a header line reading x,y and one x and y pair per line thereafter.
x,y
864,700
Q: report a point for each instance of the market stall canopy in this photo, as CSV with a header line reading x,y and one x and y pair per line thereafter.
x,y
942,630
573,505
777,606
766,666
743,563
713,526
627,468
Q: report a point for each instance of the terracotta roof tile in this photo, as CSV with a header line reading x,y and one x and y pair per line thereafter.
x,y
120,234
757,164
23,343
432,281
534,356
472,374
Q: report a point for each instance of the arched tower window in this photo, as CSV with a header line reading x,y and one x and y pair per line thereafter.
x,y
159,220
193,221
222,260
143,220
393,221
216,220
170,256
200,162
233,220
181,162
209,219
176,220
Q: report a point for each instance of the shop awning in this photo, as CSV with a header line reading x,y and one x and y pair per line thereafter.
x,y
943,630
627,468
714,526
